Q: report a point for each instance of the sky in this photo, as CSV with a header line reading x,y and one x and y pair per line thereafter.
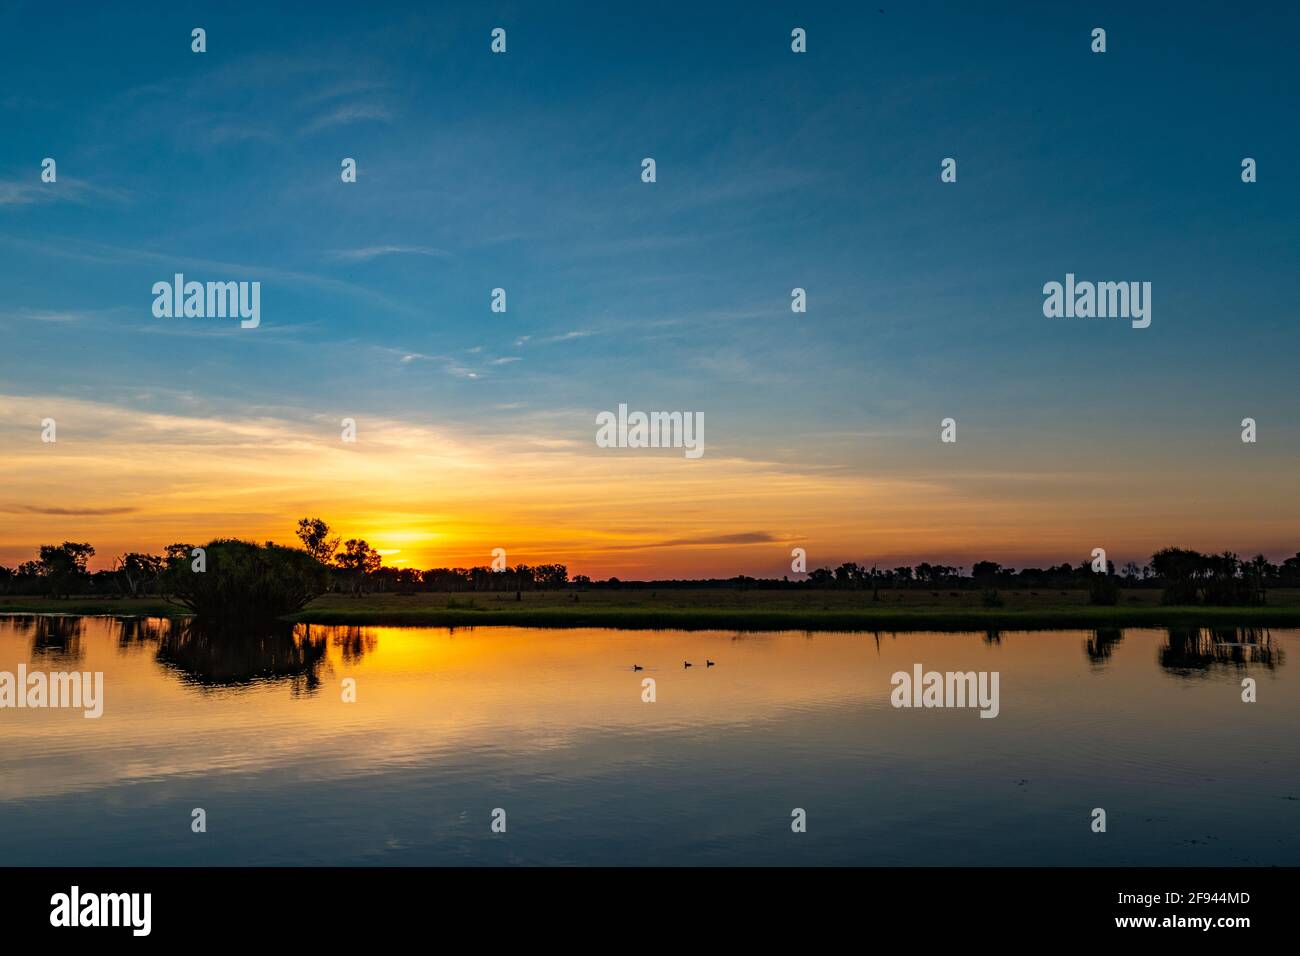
x,y
775,170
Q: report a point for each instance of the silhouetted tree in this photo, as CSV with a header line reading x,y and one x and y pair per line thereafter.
x,y
357,559
135,572
244,581
315,536
64,566
1181,570
1103,588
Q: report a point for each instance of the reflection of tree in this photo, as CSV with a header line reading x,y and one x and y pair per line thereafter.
x,y
353,642
1195,651
223,657
22,625
992,637
139,630
1102,644
58,638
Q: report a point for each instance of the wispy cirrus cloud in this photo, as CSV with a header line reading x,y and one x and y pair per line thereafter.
x,y
346,114
450,365
717,540
553,339
349,86
374,252
70,512
27,192
59,316
105,253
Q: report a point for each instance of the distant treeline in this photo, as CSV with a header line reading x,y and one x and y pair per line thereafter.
x,y
324,563
350,566
1167,566
1185,576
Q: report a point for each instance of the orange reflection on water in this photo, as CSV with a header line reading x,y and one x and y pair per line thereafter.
x,y
180,703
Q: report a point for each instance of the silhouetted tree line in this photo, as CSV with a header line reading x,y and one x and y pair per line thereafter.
x,y
352,566
1185,577
258,577
521,577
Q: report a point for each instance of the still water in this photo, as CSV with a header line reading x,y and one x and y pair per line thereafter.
x,y
550,726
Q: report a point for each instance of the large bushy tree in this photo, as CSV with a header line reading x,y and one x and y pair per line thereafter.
x,y
64,566
246,581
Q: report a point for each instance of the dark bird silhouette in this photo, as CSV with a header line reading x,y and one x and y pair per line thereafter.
x,y
637,667
707,662
687,664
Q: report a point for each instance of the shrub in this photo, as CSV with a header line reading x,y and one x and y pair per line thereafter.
x,y
1103,589
1232,592
992,598
243,581
1180,592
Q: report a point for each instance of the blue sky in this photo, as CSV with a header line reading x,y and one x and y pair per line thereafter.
x,y
775,170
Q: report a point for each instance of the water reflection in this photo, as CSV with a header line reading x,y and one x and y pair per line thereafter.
x,y
203,654
1101,644
1194,651
219,657
453,723
215,657
354,642
140,631
58,639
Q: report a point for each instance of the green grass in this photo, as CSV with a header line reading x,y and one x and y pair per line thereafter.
x,y
737,610
143,607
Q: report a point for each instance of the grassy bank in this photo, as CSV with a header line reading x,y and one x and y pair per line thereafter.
x,y
143,607
736,610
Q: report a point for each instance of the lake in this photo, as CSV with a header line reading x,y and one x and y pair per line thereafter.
x,y
550,726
